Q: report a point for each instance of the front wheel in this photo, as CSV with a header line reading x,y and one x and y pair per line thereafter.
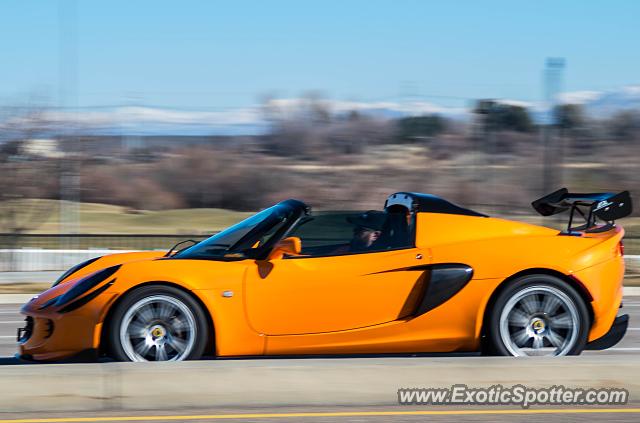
x,y
157,323
538,315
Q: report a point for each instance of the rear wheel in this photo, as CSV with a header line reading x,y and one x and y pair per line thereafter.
x,y
538,315
157,323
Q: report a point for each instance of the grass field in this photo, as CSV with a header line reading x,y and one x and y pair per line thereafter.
x,y
109,219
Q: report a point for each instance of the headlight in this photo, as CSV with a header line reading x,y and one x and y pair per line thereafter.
x,y
73,270
86,283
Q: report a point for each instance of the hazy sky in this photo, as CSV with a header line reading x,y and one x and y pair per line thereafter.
x,y
216,54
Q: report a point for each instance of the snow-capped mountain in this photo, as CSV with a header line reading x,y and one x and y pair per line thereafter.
x,y
605,103
255,119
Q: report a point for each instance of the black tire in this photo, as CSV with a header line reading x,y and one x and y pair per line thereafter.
x,y
536,288
199,323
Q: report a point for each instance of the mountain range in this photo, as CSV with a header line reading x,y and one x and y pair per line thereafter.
x,y
252,120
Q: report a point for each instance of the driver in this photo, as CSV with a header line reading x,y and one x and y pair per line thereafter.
x,y
367,229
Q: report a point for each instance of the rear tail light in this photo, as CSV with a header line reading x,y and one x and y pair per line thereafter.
x,y
621,248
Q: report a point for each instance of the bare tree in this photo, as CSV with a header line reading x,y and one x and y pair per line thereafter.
x,y
24,174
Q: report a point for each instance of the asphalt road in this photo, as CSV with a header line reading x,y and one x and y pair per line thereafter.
x,y
10,320
345,414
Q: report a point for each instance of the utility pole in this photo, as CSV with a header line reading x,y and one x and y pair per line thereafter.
x,y
486,110
552,148
67,101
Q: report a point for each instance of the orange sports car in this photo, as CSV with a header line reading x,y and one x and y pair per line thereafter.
x,y
421,275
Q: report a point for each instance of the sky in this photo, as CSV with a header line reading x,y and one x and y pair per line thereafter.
x,y
212,55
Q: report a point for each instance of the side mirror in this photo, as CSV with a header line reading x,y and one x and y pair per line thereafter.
x,y
291,246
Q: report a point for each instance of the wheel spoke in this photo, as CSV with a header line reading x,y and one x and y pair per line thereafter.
x,y
518,318
165,310
145,313
520,337
136,329
177,344
554,338
530,304
143,348
550,304
563,321
179,325
161,353
538,342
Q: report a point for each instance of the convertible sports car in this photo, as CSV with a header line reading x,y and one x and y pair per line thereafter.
x,y
422,275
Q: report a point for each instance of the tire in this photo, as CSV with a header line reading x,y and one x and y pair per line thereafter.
x,y
538,315
157,323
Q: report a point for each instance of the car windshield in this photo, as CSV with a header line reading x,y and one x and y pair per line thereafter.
x,y
244,238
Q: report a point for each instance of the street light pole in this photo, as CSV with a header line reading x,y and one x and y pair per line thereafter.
x,y
552,150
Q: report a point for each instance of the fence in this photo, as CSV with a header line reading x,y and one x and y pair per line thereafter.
x,y
38,260
95,241
39,252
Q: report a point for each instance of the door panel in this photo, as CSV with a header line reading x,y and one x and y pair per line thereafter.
x,y
325,294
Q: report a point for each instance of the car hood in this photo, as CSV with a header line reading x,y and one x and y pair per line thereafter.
x,y
112,260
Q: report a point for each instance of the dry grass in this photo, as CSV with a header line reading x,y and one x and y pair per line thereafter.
x,y
109,219
24,288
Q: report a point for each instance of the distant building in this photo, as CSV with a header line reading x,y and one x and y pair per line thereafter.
x,y
42,147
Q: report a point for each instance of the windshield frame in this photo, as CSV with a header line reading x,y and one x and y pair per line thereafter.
x,y
290,211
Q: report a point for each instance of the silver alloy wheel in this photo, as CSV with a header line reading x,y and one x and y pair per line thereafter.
x,y
539,320
158,328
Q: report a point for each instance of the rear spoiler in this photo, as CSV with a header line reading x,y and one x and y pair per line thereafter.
x,y
606,206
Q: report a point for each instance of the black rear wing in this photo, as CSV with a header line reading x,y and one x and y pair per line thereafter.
x,y
606,206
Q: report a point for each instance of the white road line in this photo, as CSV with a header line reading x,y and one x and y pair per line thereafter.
x,y
13,322
7,336
622,349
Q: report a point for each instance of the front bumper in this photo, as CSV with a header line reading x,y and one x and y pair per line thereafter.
x,y
611,338
45,339
52,336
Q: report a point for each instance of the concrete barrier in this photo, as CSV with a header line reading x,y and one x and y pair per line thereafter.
x,y
290,382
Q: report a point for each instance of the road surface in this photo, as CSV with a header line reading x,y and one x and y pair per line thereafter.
x,y
10,320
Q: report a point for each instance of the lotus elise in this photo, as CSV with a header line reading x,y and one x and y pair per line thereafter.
x,y
422,275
